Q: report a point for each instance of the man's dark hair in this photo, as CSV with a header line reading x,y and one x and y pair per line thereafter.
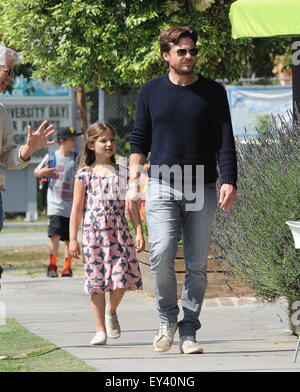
x,y
173,34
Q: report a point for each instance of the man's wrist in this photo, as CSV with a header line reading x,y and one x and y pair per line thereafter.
x,y
227,183
139,230
25,153
229,180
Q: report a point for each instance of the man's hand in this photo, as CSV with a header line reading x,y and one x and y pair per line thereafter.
x,y
227,196
37,140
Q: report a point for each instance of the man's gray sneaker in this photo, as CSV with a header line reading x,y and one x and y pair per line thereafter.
x,y
164,338
189,345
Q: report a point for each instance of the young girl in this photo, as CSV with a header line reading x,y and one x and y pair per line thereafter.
x,y
110,262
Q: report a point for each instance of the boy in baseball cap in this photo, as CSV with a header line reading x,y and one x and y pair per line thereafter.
x,y
64,133
59,168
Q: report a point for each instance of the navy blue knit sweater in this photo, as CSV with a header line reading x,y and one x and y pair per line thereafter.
x,y
186,125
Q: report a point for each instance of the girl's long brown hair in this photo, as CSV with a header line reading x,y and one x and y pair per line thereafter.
x,y
93,132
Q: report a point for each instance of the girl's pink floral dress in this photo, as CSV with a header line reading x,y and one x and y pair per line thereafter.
x,y
110,261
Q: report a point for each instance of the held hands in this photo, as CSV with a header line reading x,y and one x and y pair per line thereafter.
x,y
37,140
74,249
132,199
227,196
133,193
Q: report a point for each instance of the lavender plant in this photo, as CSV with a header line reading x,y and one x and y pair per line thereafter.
x,y
254,243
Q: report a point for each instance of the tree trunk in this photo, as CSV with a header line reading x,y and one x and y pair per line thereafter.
x,y
81,108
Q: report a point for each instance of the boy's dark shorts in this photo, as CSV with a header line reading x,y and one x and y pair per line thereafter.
x,y
58,225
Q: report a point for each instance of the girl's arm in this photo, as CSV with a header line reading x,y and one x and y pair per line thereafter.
x,y
136,220
75,218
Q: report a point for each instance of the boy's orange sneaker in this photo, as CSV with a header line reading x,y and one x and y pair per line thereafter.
x,y
67,272
52,271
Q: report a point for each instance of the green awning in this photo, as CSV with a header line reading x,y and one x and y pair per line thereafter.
x,y
265,18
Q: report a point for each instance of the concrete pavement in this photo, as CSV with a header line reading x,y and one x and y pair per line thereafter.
x,y
250,337
24,239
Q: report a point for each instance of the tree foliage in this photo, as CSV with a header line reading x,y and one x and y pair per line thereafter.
x,y
112,44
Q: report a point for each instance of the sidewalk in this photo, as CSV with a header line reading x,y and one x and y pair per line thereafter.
x,y
23,238
235,336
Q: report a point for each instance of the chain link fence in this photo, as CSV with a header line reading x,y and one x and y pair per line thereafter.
x,y
119,109
116,109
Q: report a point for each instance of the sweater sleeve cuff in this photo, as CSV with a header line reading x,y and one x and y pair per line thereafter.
x,y
228,180
137,149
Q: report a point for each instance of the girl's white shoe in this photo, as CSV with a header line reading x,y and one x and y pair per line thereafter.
x,y
99,338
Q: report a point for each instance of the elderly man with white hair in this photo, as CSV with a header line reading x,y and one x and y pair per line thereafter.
x,y
11,156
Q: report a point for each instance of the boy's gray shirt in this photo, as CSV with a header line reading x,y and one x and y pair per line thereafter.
x,y
60,189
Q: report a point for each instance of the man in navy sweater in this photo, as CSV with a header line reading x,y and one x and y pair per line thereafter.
x,y
183,119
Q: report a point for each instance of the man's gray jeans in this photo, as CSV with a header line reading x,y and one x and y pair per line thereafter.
x,y
164,219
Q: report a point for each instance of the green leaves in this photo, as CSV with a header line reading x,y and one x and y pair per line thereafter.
x,y
202,5
112,44
257,242
133,21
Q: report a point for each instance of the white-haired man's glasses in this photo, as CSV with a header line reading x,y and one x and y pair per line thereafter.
x,y
9,71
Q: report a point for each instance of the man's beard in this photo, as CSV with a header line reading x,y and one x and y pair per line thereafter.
x,y
180,71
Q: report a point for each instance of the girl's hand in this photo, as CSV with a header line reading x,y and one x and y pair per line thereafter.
x,y
74,249
140,242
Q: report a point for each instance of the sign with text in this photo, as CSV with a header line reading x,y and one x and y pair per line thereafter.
x,y
33,102
252,106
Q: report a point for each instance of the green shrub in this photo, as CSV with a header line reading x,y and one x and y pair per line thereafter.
x,y
253,240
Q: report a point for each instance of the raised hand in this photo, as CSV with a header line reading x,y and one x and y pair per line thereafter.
x,y
37,140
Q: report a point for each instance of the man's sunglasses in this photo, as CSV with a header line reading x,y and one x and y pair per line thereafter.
x,y
183,52
9,71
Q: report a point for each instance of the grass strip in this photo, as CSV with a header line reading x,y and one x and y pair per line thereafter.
x,y
23,351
